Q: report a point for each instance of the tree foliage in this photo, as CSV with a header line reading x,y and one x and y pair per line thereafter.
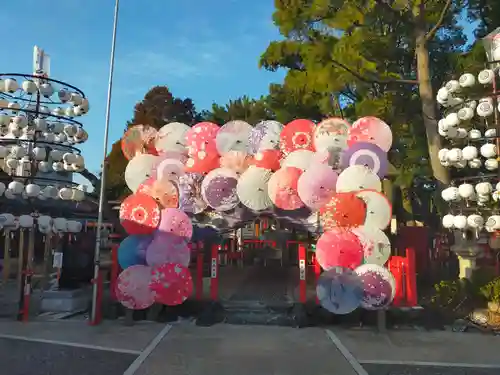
x,y
157,108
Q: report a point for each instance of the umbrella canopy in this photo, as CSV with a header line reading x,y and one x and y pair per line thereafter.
x,y
132,250
376,245
343,210
339,290
264,136
301,159
238,161
252,188
139,169
378,209
356,178
176,222
219,189
172,138
132,288
267,159
138,139
139,214
233,136
339,247
171,284
331,133
366,154
379,286
297,135
317,185
167,248
282,188
163,191
169,169
201,138
190,197
373,130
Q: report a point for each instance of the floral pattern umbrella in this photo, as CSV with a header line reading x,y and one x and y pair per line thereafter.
x,y
171,284
238,161
373,130
317,185
200,139
233,136
339,247
379,286
331,133
132,288
301,159
343,210
297,135
169,169
264,136
167,248
268,159
282,188
176,222
139,214
219,189
172,138
376,245
378,209
190,197
204,164
138,139
164,192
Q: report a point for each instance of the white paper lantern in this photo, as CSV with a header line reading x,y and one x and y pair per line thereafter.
x,y
11,85
462,133
9,194
69,158
450,194
483,198
4,151
465,114
58,111
63,95
46,89
44,166
50,192
57,127
496,195
4,118
484,188
29,87
70,111
497,186
475,163
68,167
16,187
76,98
490,133
61,138
454,155
460,164
467,80
469,153
466,190
448,221
7,219
66,194
70,130
442,133
491,164
17,151
40,124
56,155
452,133
57,166
21,121
475,134
475,221
32,190
485,109
460,222
26,221
488,150
11,163
452,119
486,76
49,137
443,154
60,224
78,195
39,153
443,94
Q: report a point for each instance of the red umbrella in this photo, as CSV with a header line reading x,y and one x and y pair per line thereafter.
x,y
201,139
343,210
339,247
171,284
139,214
267,159
297,135
203,165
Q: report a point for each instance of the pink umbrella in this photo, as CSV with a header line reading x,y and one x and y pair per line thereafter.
x,y
233,136
238,161
339,247
317,185
171,284
219,189
169,169
282,188
132,288
176,222
163,191
167,248
201,139
373,130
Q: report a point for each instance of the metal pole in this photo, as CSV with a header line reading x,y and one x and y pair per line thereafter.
x,y
97,252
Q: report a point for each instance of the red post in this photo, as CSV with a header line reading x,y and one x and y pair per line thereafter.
x,y
98,315
395,265
317,273
115,270
214,273
199,272
302,273
411,278
27,296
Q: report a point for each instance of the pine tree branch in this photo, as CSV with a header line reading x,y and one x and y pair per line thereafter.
x,y
371,81
440,21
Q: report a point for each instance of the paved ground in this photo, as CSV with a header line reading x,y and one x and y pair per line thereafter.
x,y
34,358
74,348
245,350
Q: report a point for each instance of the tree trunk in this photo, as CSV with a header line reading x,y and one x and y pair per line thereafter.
x,y
429,110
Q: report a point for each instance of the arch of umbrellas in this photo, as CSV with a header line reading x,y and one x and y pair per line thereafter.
x,y
325,177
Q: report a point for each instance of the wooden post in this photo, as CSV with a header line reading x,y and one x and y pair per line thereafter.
x,y
6,256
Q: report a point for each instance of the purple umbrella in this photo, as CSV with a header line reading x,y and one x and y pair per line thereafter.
x,y
378,284
264,136
219,189
190,199
339,290
367,154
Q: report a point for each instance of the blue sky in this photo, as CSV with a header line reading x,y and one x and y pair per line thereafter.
x,y
207,50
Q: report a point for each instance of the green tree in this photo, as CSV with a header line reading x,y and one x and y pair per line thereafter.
x,y
244,108
157,108
376,54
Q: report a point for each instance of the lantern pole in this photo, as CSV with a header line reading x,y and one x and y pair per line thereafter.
x,y
102,190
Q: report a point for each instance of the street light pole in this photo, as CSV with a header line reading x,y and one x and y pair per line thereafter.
x,y
102,190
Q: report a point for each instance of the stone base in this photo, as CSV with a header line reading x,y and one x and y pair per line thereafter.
x,y
65,300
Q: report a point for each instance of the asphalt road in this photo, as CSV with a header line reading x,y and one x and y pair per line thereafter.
x,y
31,358
425,370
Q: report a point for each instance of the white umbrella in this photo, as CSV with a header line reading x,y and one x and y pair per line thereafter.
x,y
301,159
233,136
252,188
139,169
357,177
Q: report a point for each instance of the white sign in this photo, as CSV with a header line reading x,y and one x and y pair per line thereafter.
x,y
302,269
213,273
58,260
